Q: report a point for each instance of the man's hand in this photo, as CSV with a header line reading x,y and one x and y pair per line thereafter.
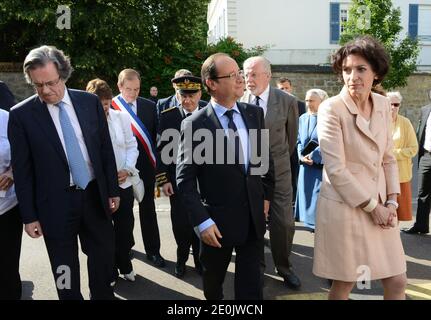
x,y
266,205
167,189
122,176
34,229
6,181
114,203
209,236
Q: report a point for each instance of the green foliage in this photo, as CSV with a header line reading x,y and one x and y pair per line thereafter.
x,y
385,25
155,37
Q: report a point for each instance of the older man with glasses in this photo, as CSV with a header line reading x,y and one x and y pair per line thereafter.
x,y
65,174
281,118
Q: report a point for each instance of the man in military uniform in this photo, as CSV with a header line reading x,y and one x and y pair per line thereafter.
x,y
189,94
174,100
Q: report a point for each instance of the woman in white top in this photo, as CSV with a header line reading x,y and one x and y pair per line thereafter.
x,y
126,153
10,221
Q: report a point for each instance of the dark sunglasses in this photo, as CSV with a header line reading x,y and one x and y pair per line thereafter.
x,y
395,104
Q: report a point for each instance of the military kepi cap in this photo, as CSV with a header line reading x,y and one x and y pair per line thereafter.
x,y
187,84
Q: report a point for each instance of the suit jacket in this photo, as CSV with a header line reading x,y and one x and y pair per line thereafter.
x,y
232,198
359,163
301,108
39,162
146,112
169,119
169,102
282,121
7,100
421,129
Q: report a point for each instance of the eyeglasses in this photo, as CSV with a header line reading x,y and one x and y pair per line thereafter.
x,y
232,75
49,84
395,104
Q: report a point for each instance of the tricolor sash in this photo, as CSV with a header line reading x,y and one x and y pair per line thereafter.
x,y
138,128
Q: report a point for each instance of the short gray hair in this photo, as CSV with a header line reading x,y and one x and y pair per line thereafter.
x,y
265,62
39,57
394,94
321,94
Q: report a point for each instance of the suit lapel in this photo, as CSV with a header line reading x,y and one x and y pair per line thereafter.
x,y
272,108
423,123
44,120
360,123
211,120
377,119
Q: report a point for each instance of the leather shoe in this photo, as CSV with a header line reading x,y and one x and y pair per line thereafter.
x,y
292,281
415,230
157,260
180,270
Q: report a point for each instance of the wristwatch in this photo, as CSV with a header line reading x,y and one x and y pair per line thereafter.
x,y
393,202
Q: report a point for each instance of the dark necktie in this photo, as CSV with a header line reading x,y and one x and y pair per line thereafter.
x,y
258,101
234,137
188,114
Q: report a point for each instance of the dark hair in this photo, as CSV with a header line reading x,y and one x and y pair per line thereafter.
x,y
209,70
283,80
100,88
368,48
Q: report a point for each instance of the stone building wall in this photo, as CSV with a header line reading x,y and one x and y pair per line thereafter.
x,y
415,94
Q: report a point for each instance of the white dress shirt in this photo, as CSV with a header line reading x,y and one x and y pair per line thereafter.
x,y
263,101
427,140
134,105
54,111
8,198
124,143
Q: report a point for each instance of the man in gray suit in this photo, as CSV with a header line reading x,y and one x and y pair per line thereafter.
x,y
281,118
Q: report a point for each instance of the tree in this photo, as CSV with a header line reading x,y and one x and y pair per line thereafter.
x,y
155,37
380,19
152,36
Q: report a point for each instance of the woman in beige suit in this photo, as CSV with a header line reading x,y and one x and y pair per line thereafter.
x,y
357,237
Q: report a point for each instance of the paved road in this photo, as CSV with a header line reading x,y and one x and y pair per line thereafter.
x,y
160,284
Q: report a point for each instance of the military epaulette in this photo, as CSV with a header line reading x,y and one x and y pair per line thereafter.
x,y
161,179
169,109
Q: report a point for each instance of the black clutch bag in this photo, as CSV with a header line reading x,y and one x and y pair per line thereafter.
x,y
309,147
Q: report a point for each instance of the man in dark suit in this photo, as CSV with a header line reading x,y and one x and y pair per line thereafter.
x,y
129,84
285,85
281,118
65,174
189,90
173,101
424,174
228,213
7,100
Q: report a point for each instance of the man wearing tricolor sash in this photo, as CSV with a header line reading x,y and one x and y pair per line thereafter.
x,y
143,117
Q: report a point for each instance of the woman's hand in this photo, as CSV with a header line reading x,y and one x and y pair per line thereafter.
x,y
382,216
307,160
393,215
